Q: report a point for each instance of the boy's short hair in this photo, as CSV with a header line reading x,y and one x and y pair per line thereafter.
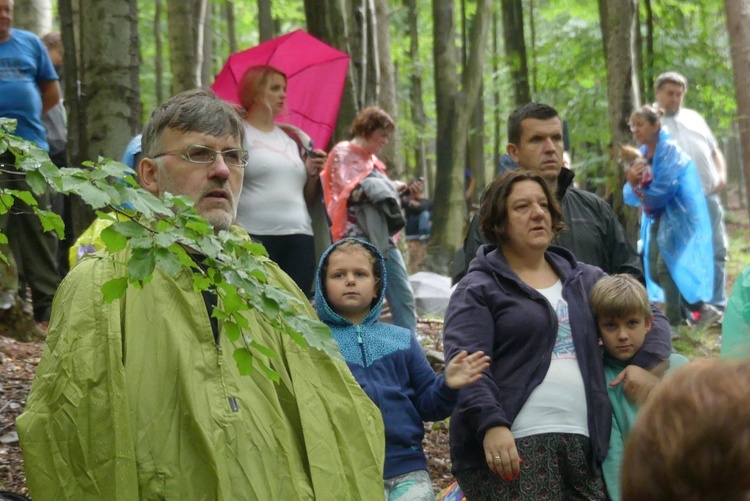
x,y
354,245
619,295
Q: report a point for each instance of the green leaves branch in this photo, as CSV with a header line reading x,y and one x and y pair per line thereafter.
x,y
170,234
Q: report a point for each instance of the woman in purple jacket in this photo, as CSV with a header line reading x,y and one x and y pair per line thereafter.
x,y
536,426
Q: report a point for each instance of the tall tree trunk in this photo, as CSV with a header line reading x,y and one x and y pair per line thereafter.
x,y
418,117
230,24
475,148
265,20
515,49
159,56
446,87
207,65
475,135
70,33
497,139
618,23
33,15
738,26
331,21
387,100
638,49
185,20
454,112
102,90
532,35
371,79
648,58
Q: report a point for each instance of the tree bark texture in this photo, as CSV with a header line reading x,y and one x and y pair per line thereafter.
x,y
387,100
445,57
454,112
738,26
265,20
648,56
497,136
33,15
159,56
230,24
207,65
185,20
101,57
418,116
330,21
515,49
618,21
371,78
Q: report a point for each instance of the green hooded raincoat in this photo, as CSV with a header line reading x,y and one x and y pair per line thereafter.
x,y
133,399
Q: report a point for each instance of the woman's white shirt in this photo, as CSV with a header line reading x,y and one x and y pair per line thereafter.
x,y
272,201
558,404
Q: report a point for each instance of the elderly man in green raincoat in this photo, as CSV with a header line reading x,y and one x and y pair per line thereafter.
x,y
138,399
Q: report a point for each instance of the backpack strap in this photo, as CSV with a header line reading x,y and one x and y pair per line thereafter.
x,y
301,139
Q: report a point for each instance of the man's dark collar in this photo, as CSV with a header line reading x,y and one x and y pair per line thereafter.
x,y
564,180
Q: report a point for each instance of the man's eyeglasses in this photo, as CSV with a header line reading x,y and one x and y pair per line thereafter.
x,y
199,154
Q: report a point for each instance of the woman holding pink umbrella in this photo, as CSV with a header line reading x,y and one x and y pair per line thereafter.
x,y
282,177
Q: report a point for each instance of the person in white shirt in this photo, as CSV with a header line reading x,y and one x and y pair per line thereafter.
x,y
694,136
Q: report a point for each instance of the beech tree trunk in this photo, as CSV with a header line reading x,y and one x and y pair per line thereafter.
x,y
185,22
515,50
738,26
418,117
330,21
207,65
33,15
618,25
454,112
265,20
391,154
159,56
230,24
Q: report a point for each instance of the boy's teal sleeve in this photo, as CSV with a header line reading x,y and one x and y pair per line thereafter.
x,y
613,463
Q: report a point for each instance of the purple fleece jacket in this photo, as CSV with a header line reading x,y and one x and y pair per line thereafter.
x,y
494,311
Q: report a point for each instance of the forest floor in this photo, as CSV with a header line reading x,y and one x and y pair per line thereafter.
x,y
18,361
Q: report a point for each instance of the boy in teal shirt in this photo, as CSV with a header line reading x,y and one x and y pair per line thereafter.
x,y
623,314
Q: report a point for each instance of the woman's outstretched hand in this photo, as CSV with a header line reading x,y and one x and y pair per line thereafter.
x,y
500,452
465,369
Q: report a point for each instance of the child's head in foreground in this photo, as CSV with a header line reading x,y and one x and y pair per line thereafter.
x,y
352,278
692,438
622,311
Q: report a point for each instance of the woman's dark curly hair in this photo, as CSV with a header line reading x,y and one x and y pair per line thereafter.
x,y
493,211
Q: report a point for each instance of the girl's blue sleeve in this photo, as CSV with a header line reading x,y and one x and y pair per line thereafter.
x,y
434,400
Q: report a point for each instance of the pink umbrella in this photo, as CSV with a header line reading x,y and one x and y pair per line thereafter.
x,y
315,72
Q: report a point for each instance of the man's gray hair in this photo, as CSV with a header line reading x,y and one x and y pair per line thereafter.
x,y
671,77
196,110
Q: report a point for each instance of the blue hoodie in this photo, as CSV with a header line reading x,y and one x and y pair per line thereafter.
x,y
389,364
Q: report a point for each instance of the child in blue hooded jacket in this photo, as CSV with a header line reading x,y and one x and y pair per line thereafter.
x,y
388,362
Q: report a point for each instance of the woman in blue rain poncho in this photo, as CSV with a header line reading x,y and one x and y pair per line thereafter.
x,y
675,226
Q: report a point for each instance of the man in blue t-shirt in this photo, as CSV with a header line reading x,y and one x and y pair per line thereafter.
x,y
28,88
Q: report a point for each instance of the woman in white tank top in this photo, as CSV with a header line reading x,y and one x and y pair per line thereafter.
x,y
279,183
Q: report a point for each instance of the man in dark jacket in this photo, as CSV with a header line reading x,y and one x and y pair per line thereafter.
x,y
592,233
